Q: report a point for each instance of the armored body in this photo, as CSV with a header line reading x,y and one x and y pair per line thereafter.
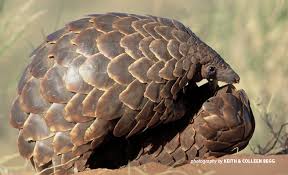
x,y
109,74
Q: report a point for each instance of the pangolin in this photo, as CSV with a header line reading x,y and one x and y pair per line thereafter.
x,y
113,73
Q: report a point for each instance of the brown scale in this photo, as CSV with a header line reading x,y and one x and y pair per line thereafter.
x,y
107,74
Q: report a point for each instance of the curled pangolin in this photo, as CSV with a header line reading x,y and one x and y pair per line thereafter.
x,y
223,125
109,74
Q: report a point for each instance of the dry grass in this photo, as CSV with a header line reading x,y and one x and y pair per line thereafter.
x,y
277,133
251,35
13,25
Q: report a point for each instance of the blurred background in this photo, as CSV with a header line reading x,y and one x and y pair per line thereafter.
x,y
252,36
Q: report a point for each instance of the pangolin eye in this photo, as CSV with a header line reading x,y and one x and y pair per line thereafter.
x,y
211,69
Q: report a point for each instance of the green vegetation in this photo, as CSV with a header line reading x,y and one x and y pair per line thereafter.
x,y
251,35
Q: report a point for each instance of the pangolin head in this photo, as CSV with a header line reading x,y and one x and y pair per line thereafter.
x,y
213,67
218,69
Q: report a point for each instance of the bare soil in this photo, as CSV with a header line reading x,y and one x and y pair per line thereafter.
x,y
234,164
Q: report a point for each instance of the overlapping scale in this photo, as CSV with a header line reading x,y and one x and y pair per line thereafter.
x,y
159,48
150,29
53,87
124,25
180,156
90,102
117,69
173,144
26,75
147,112
144,47
166,21
25,147
139,26
74,109
141,124
78,25
63,51
55,120
62,143
73,79
173,49
131,44
35,128
178,70
154,120
97,129
187,138
94,72
180,36
109,105
17,116
86,42
31,100
152,91
167,71
40,62
110,40
53,37
138,69
165,92
125,123
165,32
43,151
104,22
153,72
77,134
183,48
132,96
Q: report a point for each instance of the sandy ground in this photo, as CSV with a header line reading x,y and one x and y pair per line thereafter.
x,y
245,164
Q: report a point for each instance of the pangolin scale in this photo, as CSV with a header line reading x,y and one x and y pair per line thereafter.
x,y
111,74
